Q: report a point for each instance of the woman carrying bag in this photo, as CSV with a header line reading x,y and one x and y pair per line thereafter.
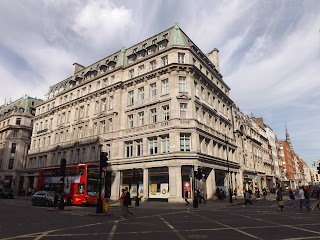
x,y
279,199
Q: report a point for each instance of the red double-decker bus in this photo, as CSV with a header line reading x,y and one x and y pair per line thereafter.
x,y
81,182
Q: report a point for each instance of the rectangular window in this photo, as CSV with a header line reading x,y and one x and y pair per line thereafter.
x,y
185,142
139,148
153,148
152,65
130,97
80,133
15,133
81,112
164,60
129,149
95,128
103,105
165,144
165,86
13,147
131,73
141,93
130,121
182,84
97,106
102,127
181,57
110,125
153,90
18,121
141,69
11,162
111,102
165,113
140,118
183,110
153,115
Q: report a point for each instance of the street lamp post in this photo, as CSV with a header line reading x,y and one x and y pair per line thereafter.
x,y
229,180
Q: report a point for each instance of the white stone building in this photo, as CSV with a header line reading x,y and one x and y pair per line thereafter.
x,y
160,106
15,133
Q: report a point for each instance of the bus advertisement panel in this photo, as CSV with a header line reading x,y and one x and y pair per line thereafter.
x,y
81,183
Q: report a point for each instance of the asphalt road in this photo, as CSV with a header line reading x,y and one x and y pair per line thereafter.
x,y
158,221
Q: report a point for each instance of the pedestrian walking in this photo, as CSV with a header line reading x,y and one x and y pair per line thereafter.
x,y
279,199
235,194
29,191
200,196
302,198
292,201
317,196
55,199
127,202
218,193
186,196
123,212
264,193
307,197
247,198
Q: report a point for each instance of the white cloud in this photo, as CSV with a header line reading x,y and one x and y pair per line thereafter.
x,y
101,22
269,50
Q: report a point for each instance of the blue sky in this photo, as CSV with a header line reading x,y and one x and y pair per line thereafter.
x,y
269,50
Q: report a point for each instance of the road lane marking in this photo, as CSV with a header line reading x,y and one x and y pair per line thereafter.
x,y
229,227
172,228
303,238
54,230
279,224
113,230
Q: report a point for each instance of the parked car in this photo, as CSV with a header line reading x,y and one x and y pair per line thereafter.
x,y
6,192
43,198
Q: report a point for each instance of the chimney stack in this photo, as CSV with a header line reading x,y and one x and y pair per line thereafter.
x,y
214,58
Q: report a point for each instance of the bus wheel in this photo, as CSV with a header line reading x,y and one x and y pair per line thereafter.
x,y
70,201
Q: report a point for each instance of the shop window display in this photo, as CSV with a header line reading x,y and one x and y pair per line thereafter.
x,y
159,183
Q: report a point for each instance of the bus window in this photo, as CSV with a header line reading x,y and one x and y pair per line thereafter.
x,y
81,170
80,188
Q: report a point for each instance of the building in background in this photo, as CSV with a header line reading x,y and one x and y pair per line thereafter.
x,y
15,136
314,172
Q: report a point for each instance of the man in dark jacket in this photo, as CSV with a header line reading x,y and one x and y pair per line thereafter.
x,y
292,198
127,201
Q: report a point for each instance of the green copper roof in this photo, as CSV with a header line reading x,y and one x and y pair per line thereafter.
x,y
123,50
177,36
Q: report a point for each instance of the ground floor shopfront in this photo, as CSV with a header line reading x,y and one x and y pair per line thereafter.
x,y
19,181
169,183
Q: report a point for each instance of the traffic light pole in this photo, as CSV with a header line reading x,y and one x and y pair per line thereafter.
x,y
99,203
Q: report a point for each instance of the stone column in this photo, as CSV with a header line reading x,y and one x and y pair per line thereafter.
x,y
145,184
175,184
233,181
211,184
35,182
115,185
240,183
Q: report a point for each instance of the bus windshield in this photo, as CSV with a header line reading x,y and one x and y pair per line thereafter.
x,y
93,174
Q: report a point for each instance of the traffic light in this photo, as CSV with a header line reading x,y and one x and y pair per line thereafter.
x,y
63,164
318,169
103,159
199,174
